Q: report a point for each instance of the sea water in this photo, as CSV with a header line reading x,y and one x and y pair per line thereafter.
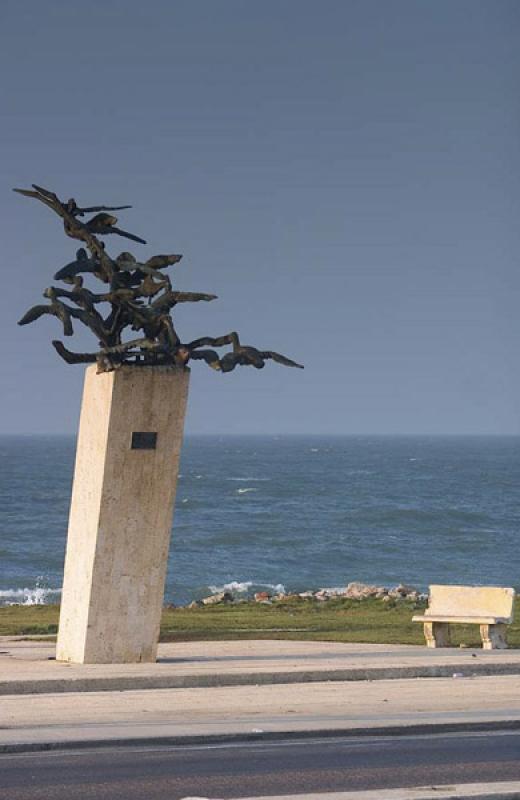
x,y
289,512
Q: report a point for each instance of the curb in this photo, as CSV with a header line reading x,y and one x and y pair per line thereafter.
x,y
501,790
269,736
205,681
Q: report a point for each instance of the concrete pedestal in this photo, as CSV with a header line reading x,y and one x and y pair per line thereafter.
x,y
125,478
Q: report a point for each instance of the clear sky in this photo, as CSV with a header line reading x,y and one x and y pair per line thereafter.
x,y
344,174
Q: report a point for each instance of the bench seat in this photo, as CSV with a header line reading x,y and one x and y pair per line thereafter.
x,y
467,620
490,607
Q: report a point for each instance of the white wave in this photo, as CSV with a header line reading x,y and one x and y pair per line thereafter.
x,y
248,479
248,489
232,586
37,596
315,450
242,587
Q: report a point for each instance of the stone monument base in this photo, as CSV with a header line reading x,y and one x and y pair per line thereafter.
x,y
125,478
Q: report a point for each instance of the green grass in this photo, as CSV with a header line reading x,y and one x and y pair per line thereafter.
x,y
340,620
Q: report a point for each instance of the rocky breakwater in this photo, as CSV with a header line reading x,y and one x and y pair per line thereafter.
x,y
353,591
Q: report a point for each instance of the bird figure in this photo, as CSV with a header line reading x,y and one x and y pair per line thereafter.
x,y
104,223
163,261
128,262
76,211
243,355
82,264
250,356
56,309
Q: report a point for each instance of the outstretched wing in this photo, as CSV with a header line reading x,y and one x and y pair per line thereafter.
x,y
27,193
92,209
112,229
49,198
73,358
46,193
209,356
280,359
194,297
75,267
162,261
56,310
33,314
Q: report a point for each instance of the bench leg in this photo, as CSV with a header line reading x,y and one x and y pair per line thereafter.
x,y
437,634
493,636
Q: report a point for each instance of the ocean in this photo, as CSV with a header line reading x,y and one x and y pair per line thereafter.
x,y
289,512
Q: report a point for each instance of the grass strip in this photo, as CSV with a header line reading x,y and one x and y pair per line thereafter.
x,y
336,620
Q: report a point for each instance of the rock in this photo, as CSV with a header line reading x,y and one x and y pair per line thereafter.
x,y
261,597
405,590
195,604
322,595
220,597
387,599
358,591
327,593
306,595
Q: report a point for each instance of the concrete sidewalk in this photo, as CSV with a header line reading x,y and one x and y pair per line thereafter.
x,y
207,691
28,667
182,716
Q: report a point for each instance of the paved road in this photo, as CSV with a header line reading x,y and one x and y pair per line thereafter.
x,y
314,765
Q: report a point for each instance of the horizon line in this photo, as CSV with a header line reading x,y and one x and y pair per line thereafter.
x,y
362,434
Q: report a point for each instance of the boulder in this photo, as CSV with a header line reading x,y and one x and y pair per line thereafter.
x,y
261,597
322,595
404,590
358,591
219,597
328,592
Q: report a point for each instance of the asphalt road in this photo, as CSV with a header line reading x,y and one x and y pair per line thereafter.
x,y
285,767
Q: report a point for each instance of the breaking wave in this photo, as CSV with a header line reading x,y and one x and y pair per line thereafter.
x,y
247,588
37,596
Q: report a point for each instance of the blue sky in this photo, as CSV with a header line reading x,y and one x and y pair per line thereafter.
x,y
343,175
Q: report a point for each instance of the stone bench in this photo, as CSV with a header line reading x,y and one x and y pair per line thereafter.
x,y
491,607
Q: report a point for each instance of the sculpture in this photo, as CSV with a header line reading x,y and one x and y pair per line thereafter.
x,y
140,296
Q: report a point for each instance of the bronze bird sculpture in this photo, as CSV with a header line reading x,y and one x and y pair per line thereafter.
x,y
139,298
